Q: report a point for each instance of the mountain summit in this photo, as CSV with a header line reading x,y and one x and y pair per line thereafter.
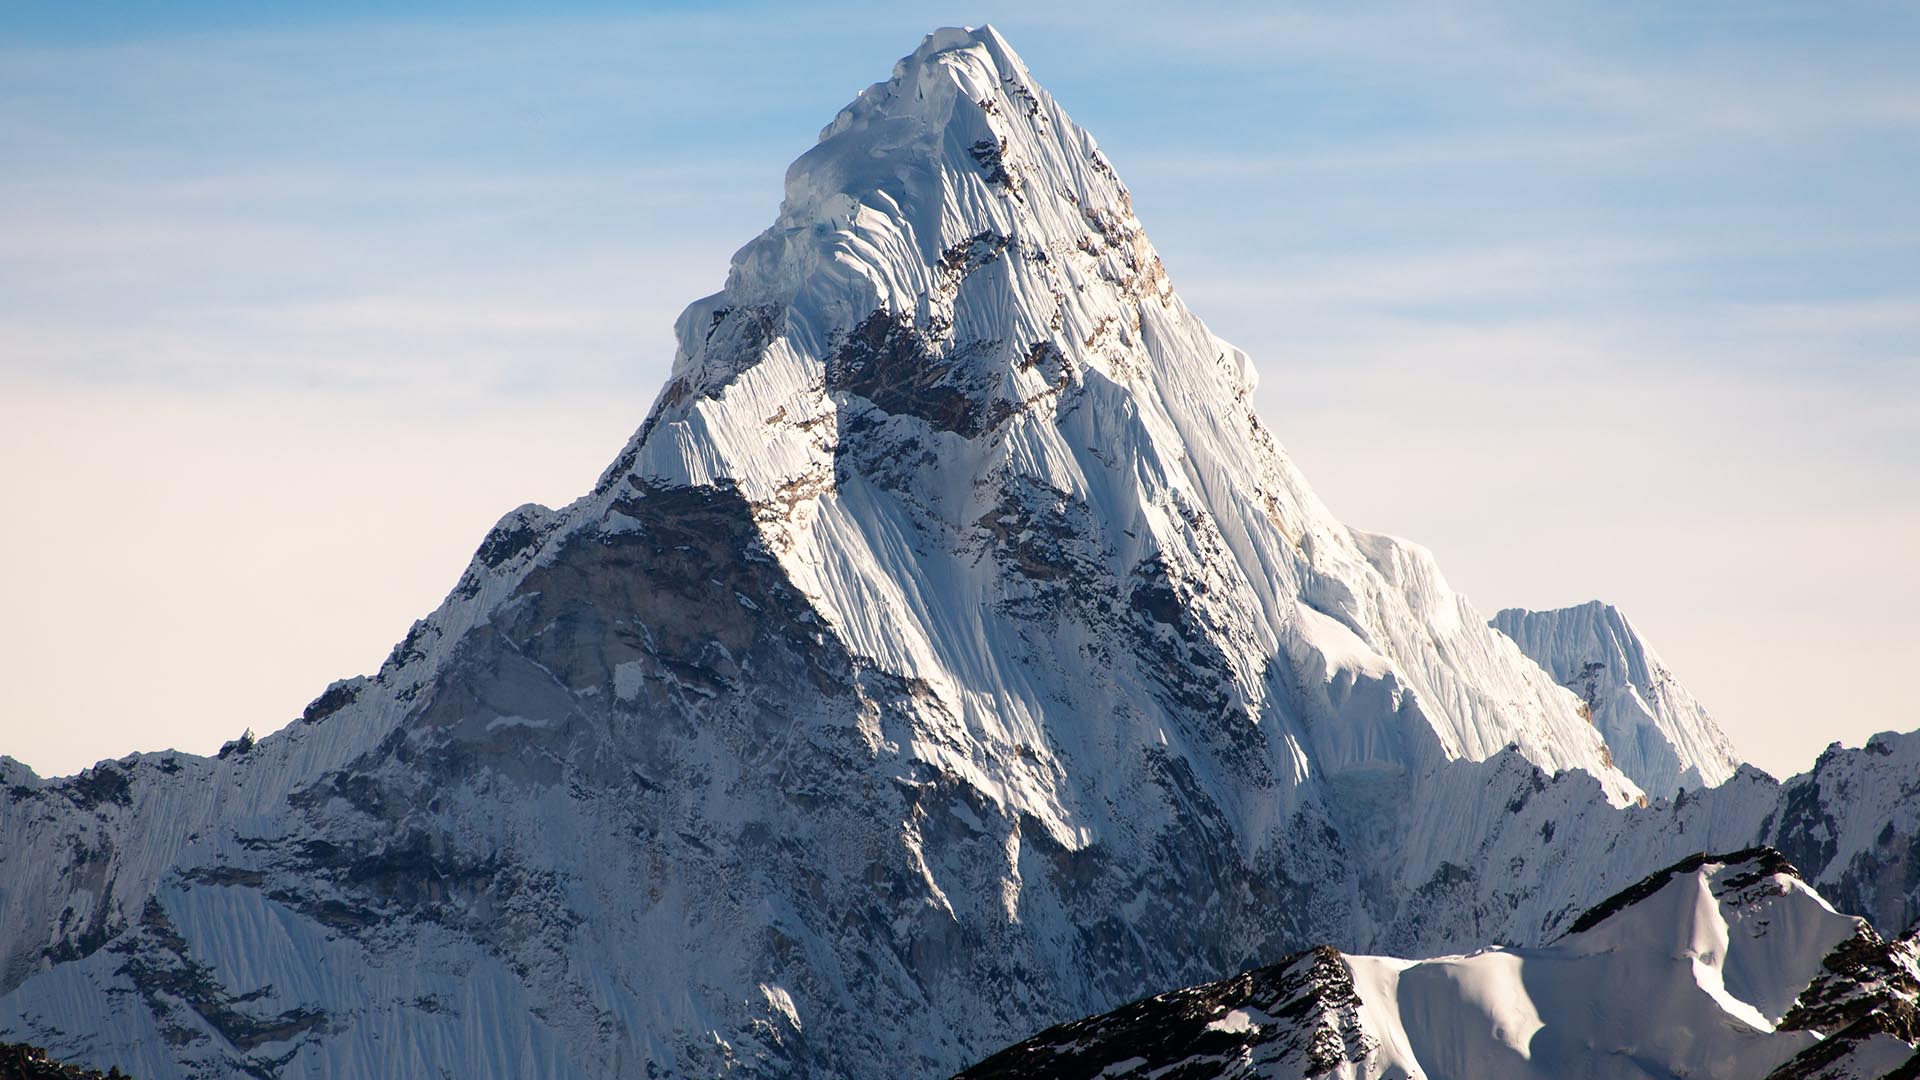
x,y
1658,734
963,402
950,653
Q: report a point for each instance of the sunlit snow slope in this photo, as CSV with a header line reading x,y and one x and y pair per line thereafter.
x,y
1728,967
1658,734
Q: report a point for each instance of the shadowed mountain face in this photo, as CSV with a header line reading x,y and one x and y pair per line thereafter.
x,y
950,653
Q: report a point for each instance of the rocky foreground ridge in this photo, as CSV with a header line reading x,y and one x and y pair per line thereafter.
x,y
1721,966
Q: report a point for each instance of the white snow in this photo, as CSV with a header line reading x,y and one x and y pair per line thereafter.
x,y
1051,666
1235,1022
1658,733
1657,984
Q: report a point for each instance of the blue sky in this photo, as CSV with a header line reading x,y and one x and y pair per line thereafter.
x,y
1596,300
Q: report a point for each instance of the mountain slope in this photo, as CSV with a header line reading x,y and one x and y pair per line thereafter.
x,y
1727,966
950,653
1520,853
948,627
1657,733
957,388
1854,821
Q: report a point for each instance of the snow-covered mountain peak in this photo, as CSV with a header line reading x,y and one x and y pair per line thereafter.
x,y
1754,930
1737,878
1657,732
954,248
958,159
959,394
951,650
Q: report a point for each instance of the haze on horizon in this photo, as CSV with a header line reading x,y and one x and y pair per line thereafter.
x,y
1619,304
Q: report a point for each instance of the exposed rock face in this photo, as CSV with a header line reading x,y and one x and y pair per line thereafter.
x,y
1300,1017
950,653
18,1061
1723,965
1657,733
1856,818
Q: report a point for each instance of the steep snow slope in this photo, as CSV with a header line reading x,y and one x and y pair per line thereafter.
x,y
1520,853
950,653
1726,966
957,388
1657,733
